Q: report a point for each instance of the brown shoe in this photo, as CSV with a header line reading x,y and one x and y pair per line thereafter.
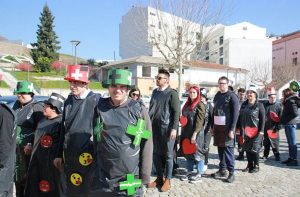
x,y
157,183
166,186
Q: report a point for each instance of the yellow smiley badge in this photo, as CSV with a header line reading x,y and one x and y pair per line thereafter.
x,y
76,179
85,159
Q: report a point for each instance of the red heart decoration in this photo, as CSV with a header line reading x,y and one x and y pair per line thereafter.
x,y
251,131
183,121
187,147
272,135
274,117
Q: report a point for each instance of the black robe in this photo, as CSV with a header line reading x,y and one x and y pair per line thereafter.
x,y
44,180
28,117
164,112
116,155
76,143
7,150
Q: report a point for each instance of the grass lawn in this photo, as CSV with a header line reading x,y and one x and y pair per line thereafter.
x,y
3,84
49,83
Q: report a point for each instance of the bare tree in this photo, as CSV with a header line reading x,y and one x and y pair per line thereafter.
x,y
183,29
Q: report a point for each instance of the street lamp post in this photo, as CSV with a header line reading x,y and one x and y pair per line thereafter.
x,y
75,43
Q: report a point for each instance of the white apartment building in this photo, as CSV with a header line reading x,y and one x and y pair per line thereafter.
x,y
142,25
242,45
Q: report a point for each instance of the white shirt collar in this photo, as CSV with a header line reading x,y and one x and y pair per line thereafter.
x,y
84,95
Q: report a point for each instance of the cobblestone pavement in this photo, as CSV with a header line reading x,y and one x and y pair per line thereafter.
x,y
273,179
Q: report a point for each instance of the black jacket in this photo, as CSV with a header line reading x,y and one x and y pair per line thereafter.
x,y
290,111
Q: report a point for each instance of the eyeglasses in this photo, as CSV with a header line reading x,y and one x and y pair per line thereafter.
x,y
134,94
159,78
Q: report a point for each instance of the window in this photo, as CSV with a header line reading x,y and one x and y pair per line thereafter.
x,y
295,62
221,39
207,46
152,25
245,28
125,68
198,35
146,71
221,61
221,51
159,25
151,13
179,28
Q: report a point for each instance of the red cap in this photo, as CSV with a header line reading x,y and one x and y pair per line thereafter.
x,y
78,73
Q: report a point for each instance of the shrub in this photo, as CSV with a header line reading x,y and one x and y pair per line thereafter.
x,y
58,66
25,66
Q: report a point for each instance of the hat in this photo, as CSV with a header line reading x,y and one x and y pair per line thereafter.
x,y
252,88
78,73
118,76
24,86
294,85
203,92
56,100
271,91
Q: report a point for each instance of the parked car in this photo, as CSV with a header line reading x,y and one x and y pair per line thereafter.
x,y
10,100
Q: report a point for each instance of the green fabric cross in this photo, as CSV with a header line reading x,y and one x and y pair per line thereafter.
x,y
138,131
130,184
113,77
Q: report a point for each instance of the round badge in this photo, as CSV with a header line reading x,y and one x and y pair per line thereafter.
x,y
85,159
46,141
76,179
44,186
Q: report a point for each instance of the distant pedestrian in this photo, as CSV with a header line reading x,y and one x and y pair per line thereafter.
x,y
290,120
226,111
272,125
239,134
135,94
208,121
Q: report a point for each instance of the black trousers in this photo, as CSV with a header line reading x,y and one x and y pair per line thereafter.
x,y
253,159
268,144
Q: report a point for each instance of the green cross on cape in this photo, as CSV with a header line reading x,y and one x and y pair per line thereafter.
x,y
130,184
138,131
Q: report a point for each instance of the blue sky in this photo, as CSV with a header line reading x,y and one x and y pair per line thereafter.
x,y
96,22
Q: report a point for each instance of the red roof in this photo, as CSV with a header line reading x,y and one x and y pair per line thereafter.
x,y
287,38
202,64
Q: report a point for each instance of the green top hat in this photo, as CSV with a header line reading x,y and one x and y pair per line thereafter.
x,y
118,76
24,87
294,85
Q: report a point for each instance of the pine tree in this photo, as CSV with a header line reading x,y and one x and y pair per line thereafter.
x,y
44,51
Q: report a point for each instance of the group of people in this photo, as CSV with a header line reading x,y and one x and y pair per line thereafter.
x,y
88,145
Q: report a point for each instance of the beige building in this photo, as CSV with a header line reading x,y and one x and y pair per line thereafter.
x,y
145,68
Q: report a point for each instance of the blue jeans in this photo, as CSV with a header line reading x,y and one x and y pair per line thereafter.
x,y
226,156
290,132
190,165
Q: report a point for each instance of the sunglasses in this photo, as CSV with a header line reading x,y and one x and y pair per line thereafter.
x,y
134,94
159,78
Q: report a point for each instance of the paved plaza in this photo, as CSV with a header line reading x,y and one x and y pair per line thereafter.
x,y
273,179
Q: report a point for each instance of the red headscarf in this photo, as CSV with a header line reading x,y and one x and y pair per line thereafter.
x,y
189,102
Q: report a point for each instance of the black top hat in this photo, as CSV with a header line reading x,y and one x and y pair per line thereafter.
x,y
56,100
